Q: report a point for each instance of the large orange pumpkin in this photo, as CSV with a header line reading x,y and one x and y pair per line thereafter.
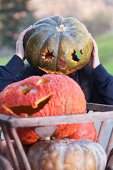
x,y
58,45
49,95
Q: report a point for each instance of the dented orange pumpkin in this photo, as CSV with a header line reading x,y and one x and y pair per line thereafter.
x,y
49,95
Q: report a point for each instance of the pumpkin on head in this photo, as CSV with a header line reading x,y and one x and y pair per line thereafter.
x,y
58,45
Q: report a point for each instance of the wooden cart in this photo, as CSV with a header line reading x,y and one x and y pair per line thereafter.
x,y
96,113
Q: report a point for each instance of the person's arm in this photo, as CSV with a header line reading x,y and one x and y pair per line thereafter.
x,y
102,79
104,84
9,72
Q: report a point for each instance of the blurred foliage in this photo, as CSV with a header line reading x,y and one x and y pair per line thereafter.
x,y
99,23
105,46
14,13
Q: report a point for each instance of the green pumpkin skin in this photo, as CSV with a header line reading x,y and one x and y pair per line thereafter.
x,y
53,42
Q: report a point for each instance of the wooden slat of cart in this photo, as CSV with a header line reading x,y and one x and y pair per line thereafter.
x,y
106,113
55,120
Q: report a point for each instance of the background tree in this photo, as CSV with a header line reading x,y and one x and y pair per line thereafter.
x,y
14,16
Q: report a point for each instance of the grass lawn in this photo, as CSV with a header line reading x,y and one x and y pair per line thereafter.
x,y
105,45
4,60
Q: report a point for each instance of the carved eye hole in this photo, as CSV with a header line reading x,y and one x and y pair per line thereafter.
x,y
48,56
77,55
25,89
43,81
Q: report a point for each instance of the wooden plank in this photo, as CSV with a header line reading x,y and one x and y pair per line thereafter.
x,y
99,107
55,120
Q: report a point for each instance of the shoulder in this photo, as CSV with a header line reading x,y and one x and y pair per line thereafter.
x,y
29,71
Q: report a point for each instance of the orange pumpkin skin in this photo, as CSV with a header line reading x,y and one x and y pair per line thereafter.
x,y
85,131
48,95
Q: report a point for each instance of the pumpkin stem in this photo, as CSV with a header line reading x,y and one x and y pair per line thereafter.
x,y
61,28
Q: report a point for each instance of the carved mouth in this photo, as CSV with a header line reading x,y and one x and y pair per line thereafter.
x,y
62,63
27,111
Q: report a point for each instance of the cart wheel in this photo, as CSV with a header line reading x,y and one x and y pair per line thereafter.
x,y
5,164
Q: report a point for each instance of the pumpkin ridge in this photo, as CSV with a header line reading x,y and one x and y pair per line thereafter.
x,y
71,51
58,20
72,22
38,45
43,26
56,62
47,20
54,51
43,46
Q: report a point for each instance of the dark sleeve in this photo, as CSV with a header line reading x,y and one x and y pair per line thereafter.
x,y
9,71
104,84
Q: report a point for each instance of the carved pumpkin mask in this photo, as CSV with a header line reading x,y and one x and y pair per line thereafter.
x,y
58,45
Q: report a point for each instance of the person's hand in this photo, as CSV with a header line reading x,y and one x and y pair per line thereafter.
x,y
94,60
19,44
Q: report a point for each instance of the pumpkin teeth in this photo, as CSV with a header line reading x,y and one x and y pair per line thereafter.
x,y
43,54
42,100
43,57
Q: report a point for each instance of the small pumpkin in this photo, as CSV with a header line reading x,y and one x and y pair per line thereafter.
x,y
58,45
67,154
49,95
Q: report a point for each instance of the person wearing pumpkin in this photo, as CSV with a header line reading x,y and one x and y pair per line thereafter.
x,y
95,81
